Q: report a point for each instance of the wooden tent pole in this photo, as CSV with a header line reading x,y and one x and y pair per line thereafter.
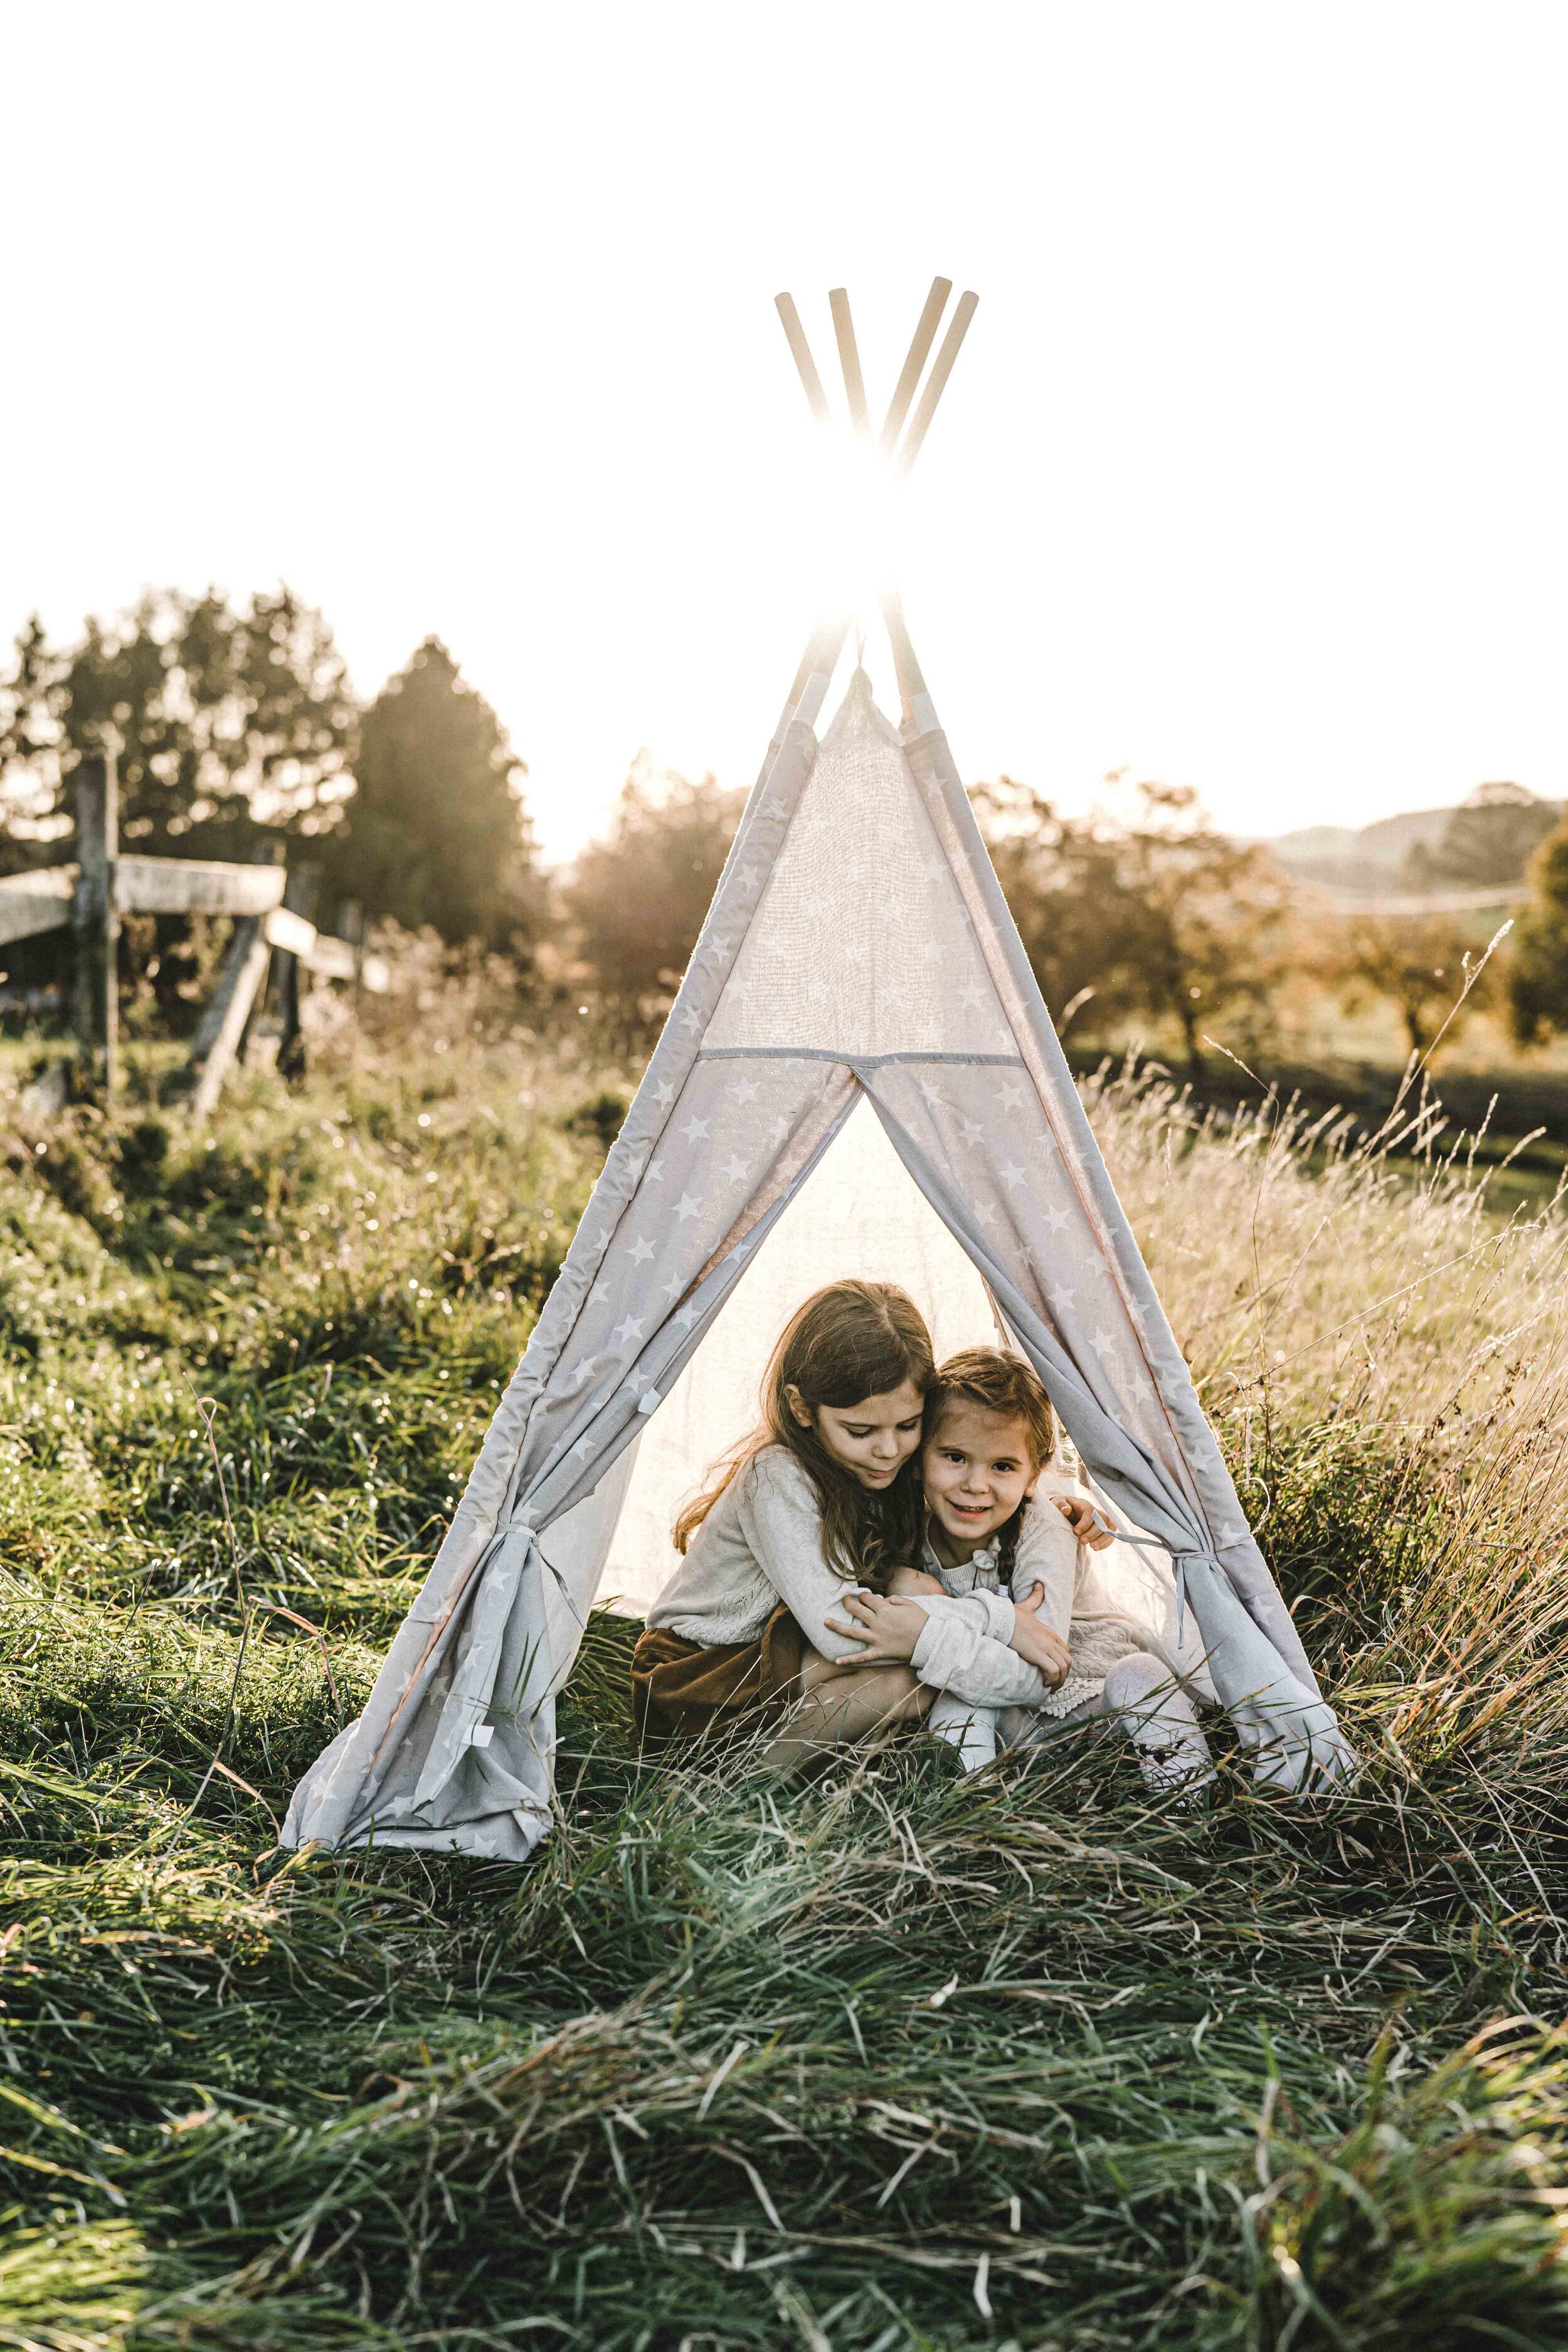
x,y
924,336
801,351
943,368
849,360
905,666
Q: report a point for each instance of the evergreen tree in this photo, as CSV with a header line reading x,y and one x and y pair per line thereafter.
x,y
227,724
1538,969
437,833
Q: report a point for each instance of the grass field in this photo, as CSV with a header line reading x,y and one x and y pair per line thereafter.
x,y
895,2061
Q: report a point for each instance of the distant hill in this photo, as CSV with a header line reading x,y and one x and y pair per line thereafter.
x,y
1486,840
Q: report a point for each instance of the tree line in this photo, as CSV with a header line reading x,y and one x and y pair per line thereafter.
x,y
234,727
1139,917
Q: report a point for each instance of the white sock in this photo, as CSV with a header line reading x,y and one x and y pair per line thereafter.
x,y
971,1730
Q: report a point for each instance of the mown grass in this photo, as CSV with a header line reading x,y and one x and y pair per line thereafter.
x,y
894,2060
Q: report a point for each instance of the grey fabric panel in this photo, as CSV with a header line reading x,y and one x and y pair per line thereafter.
x,y
1201,1467
488,1644
348,1782
1019,1235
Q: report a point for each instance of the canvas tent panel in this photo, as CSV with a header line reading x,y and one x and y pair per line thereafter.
x,y
859,945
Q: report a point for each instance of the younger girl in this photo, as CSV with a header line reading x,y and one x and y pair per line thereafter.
x,y
989,1434
820,1501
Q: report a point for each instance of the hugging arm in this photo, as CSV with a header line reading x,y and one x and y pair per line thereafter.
x,y
783,1524
943,1637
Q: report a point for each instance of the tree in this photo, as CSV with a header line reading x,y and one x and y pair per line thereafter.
x,y
228,725
1150,913
1421,963
1487,841
435,833
638,897
1538,969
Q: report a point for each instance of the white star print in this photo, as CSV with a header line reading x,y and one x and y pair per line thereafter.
x,y
688,1316
734,1168
695,1129
655,1173
687,1207
1012,1097
1012,1173
1103,1340
628,1329
971,995
583,1445
748,877
584,1372
1057,1219
641,1251
971,1130
1067,1300
931,952
854,953
743,1090
664,1094
984,1214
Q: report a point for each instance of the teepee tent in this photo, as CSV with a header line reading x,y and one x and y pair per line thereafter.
x,y
858,1076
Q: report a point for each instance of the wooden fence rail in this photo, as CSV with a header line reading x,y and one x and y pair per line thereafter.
x,y
90,897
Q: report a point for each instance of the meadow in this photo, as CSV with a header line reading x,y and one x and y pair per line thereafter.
x,y
893,2060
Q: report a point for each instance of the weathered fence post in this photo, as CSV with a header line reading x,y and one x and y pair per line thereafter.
x,y
220,1035
300,897
95,917
352,920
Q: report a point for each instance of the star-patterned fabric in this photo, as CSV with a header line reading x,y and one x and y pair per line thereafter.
x,y
857,950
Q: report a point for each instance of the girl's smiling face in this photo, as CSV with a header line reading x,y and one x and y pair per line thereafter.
x,y
871,1439
978,1468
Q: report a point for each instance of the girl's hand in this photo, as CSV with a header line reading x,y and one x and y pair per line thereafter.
x,y
1039,1644
886,1630
914,1581
1085,1521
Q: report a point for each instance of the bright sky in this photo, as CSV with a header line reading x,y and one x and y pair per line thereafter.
x,y
1253,474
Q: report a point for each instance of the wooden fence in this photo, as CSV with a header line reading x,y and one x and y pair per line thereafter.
x,y
90,897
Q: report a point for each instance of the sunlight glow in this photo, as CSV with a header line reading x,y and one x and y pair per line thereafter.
x,y
857,528
1176,512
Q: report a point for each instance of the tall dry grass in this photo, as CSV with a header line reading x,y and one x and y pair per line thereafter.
x,y
895,2060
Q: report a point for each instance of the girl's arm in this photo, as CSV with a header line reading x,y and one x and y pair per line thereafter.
x,y
1048,1556
948,1650
951,1654
781,1523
